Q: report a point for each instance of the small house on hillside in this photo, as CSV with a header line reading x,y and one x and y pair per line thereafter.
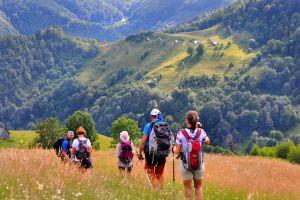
x,y
195,42
214,43
4,134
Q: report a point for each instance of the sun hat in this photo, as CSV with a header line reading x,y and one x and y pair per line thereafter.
x,y
154,112
70,132
124,136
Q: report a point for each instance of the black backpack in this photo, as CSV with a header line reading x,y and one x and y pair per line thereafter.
x,y
159,140
57,146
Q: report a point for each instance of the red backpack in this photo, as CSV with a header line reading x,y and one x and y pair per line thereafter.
x,y
193,154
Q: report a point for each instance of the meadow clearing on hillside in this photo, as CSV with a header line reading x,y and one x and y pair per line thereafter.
x,y
18,139
162,53
24,139
38,174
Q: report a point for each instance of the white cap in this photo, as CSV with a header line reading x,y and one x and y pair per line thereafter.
x,y
154,112
124,136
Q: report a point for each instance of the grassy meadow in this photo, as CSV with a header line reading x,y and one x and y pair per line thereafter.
x,y
166,54
18,139
39,174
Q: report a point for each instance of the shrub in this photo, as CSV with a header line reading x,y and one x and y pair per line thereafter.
x,y
124,124
295,155
48,132
255,151
200,50
85,120
283,149
190,50
268,152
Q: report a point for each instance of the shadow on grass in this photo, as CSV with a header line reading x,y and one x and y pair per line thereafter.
x,y
189,62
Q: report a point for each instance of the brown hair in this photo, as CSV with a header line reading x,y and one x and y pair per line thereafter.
x,y
192,118
81,131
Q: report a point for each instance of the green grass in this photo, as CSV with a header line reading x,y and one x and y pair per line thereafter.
x,y
104,142
167,57
18,139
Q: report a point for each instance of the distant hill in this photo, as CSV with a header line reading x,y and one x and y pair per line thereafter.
x,y
5,25
244,82
102,19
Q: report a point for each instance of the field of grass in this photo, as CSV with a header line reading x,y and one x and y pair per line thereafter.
x,y
166,54
104,142
43,176
19,139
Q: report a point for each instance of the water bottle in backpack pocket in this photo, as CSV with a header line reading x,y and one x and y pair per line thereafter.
x,y
126,154
192,155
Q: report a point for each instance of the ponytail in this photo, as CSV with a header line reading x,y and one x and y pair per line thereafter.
x,y
192,118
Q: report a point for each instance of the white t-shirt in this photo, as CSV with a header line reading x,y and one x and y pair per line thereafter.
x,y
76,143
180,139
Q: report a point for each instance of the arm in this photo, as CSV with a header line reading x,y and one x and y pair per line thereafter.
x,y
65,155
207,141
143,143
64,149
177,149
90,148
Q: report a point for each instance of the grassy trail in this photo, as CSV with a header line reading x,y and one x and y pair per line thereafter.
x,y
43,176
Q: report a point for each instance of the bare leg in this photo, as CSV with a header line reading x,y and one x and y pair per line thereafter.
x,y
198,189
188,188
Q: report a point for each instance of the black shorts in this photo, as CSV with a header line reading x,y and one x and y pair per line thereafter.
x,y
154,160
128,169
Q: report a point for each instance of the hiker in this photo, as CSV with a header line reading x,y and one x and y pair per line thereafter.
x,y
62,146
66,146
189,147
125,153
82,149
156,146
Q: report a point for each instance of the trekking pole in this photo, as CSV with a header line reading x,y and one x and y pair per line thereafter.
x,y
173,140
173,168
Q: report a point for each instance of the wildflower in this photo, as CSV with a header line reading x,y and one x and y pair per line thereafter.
x,y
39,186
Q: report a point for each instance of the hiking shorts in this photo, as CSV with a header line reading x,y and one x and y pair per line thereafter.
x,y
188,175
157,167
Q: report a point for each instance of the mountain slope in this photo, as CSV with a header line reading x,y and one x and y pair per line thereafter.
x,y
102,19
165,54
239,91
5,26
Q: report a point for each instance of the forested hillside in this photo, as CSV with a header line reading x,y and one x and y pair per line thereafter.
x,y
242,76
101,19
274,28
32,67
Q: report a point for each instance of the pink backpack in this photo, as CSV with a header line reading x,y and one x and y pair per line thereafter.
x,y
126,154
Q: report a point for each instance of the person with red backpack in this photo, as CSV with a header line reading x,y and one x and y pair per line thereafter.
x,y
189,147
125,152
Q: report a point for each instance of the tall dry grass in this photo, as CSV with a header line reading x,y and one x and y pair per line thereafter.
x,y
255,177
39,174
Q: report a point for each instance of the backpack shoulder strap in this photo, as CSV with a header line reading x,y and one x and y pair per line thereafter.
x,y
198,133
185,134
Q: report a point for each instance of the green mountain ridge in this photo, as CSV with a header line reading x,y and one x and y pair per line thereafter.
x,y
102,19
241,85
